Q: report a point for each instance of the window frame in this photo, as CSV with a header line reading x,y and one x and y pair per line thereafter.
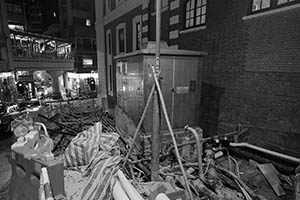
x,y
136,37
110,80
195,15
108,6
109,72
118,28
273,5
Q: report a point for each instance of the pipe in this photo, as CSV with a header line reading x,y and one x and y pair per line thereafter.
x,y
131,192
118,192
198,138
162,196
155,146
163,105
273,153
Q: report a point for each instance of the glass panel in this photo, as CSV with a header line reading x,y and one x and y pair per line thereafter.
x,y
198,20
265,4
203,2
198,12
192,13
138,33
187,15
111,77
281,2
198,3
256,5
122,40
186,23
188,5
203,10
109,44
192,4
203,19
192,22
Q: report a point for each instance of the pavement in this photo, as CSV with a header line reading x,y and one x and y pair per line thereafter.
x,y
5,168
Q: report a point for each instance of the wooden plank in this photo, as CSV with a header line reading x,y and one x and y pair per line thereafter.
x,y
271,174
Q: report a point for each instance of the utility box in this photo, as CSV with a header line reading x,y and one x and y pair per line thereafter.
x,y
180,80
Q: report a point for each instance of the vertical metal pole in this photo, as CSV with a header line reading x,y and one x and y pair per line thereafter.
x,y
156,112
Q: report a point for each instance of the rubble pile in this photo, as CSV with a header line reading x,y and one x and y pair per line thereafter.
x,y
224,176
96,165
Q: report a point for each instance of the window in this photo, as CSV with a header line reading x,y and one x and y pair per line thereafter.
x,y
195,13
284,1
109,43
122,67
138,35
88,22
110,80
137,32
109,5
262,5
14,8
121,38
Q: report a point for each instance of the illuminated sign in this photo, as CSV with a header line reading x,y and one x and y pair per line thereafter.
x,y
87,61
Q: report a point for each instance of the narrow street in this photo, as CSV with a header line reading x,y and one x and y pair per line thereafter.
x,y
5,169
149,100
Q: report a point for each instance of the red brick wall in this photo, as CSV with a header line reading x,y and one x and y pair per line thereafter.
x,y
272,80
257,62
273,42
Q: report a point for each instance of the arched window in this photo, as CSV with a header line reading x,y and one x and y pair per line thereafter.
x,y
195,13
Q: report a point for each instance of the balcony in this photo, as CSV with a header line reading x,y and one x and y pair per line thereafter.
x,y
35,51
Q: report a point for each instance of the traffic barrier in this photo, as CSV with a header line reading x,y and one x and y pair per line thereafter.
x,y
27,162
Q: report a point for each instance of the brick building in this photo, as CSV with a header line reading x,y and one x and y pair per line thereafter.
x,y
251,73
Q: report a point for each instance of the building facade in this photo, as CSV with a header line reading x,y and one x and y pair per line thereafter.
x,y
77,21
38,60
33,15
251,73
6,61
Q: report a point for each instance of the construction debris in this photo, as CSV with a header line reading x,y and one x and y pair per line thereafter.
x,y
272,175
101,163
